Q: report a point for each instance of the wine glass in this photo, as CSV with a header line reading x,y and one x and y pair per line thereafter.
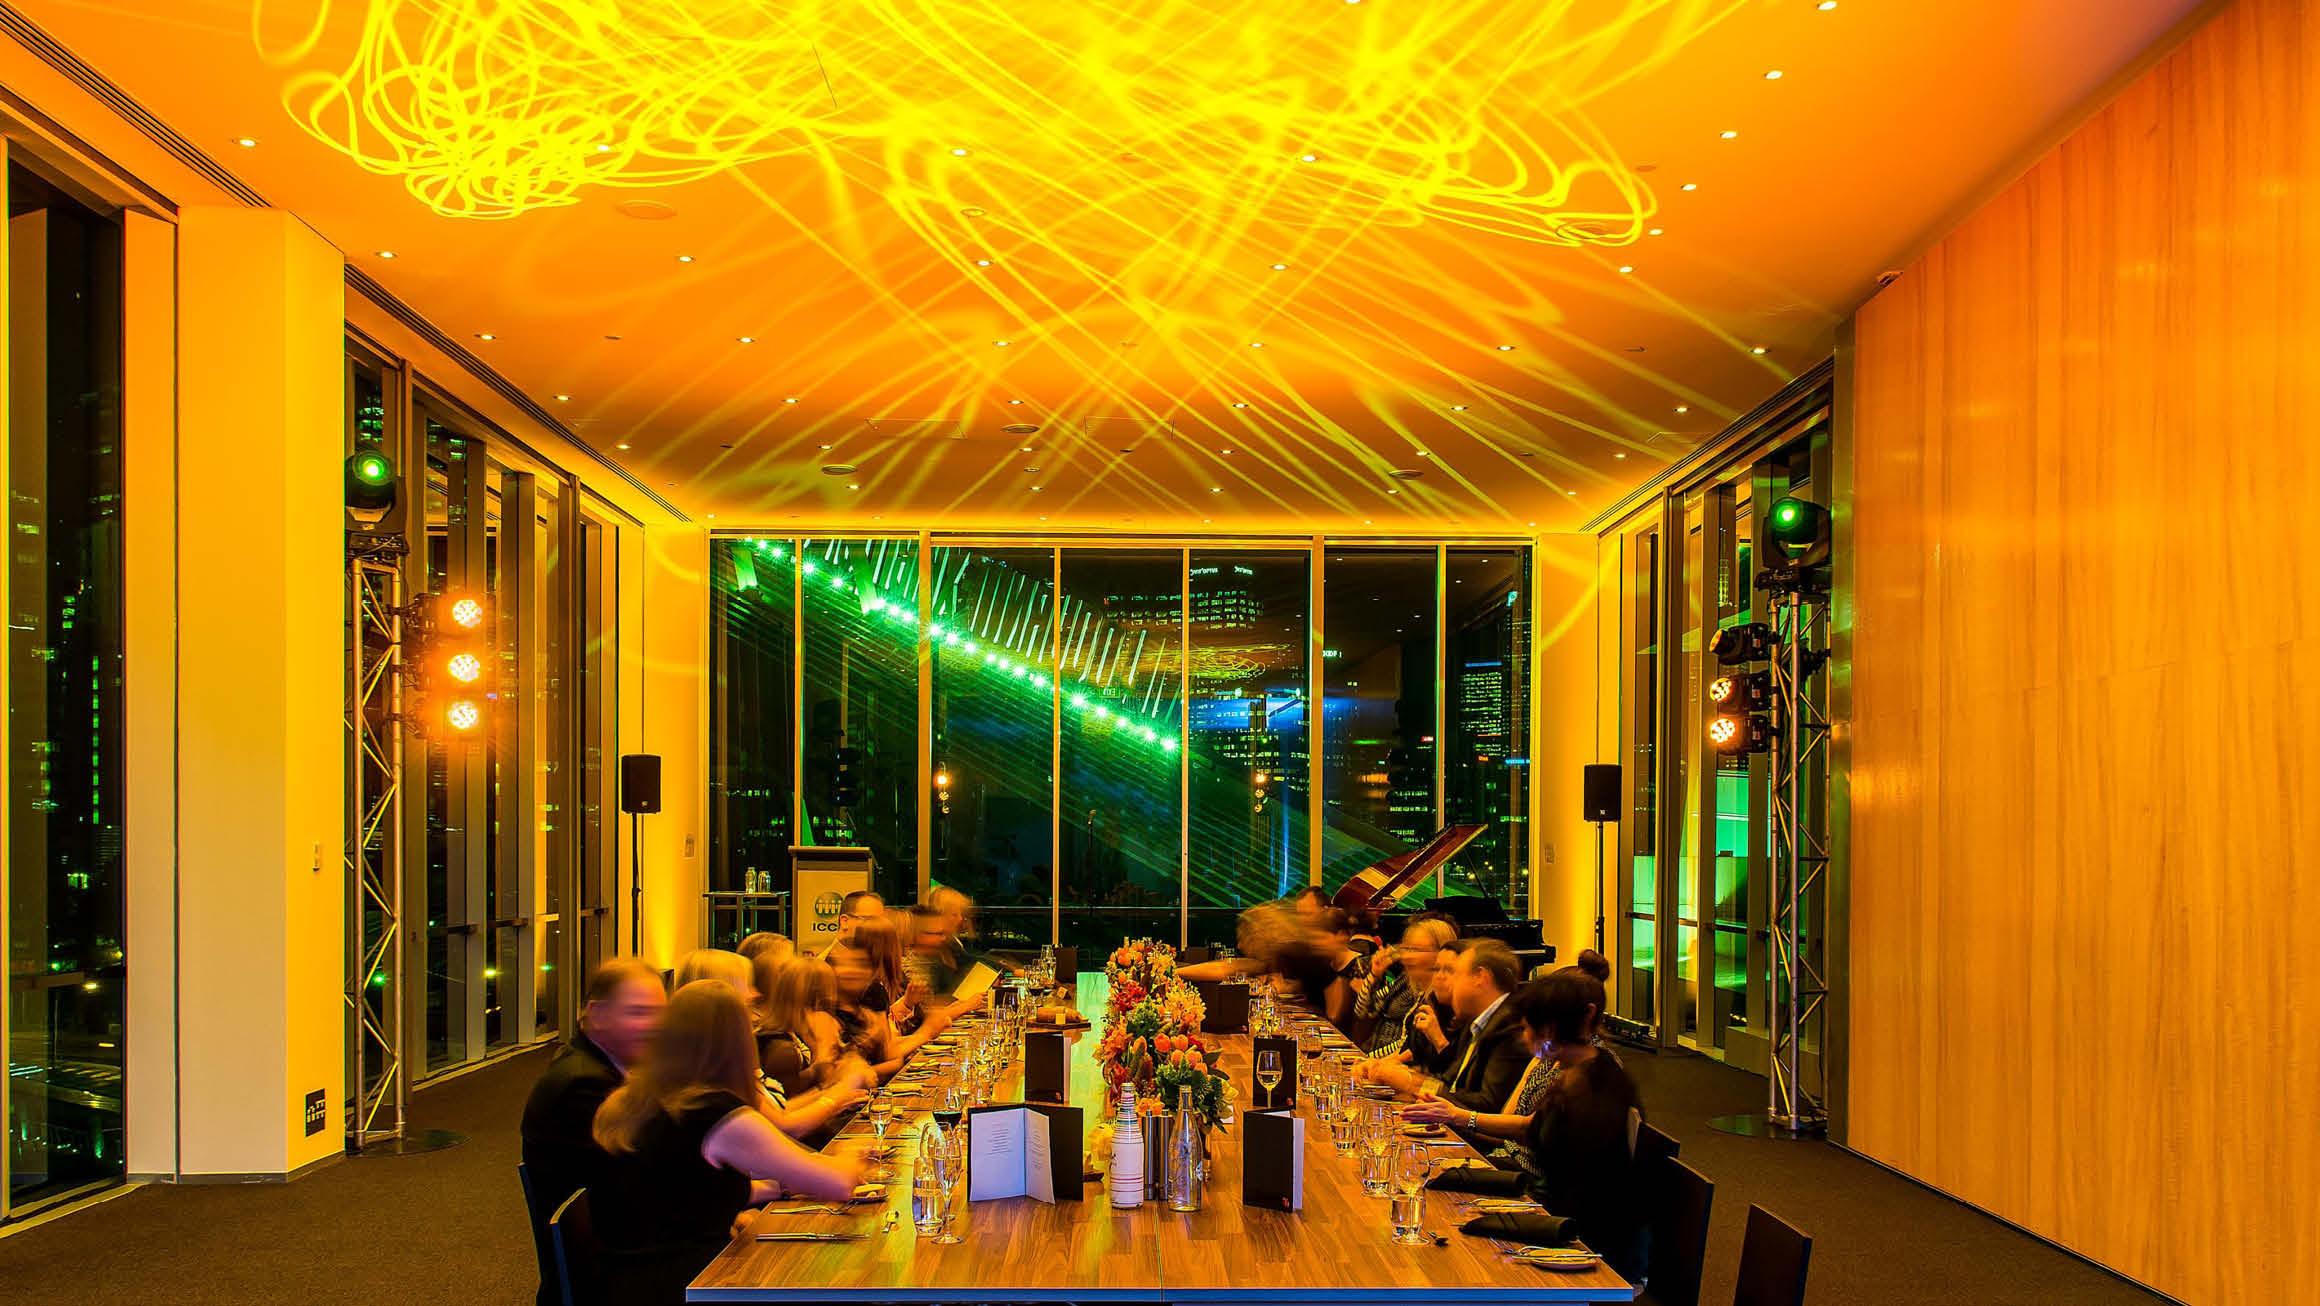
x,y
1269,1072
1413,1165
881,1115
952,1154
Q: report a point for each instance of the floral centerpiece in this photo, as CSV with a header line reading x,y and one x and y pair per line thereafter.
x,y
1151,1040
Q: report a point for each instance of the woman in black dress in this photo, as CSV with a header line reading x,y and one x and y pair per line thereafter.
x,y
1581,1135
692,1148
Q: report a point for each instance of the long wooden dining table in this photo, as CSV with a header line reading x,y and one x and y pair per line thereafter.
x,y
1339,1248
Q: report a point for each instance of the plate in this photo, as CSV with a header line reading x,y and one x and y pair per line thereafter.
x,y
1423,1131
1566,1260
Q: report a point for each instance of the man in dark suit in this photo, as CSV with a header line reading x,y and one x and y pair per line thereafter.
x,y
1486,1058
624,1002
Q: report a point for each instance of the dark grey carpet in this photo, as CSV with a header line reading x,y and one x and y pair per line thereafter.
x,y
448,1227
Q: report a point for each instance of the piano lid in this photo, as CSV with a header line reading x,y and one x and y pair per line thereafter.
x,y
1378,887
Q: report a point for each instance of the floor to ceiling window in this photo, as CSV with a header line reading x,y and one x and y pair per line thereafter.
x,y
66,947
1380,648
1249,746
994,736
1119,741
1119,797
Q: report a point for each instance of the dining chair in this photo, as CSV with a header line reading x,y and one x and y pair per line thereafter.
x,y
1774,1255
1681,1198
1653,1144
574,1235
542,1249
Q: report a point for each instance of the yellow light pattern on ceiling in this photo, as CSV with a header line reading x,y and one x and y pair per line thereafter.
x,y
1323,115
1284,222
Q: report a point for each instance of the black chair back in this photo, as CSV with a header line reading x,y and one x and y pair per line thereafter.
x,y
1067,966
1681,1198
574,1235
1653,1145
1773,1258
551,1286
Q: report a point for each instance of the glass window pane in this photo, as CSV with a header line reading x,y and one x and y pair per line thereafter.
x,y
1641,729
1377,721
1249,747
1121,803
753,606
67,961
1486,764
994,736
860,780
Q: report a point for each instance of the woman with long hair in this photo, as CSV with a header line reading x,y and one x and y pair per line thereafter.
x,y
691,1148
1540,1075
865,1024
891,986
1582,1132
803,1102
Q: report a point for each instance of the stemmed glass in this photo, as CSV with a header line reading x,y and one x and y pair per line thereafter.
x,y
1269,1072
1413,1163
951,1162
881,1115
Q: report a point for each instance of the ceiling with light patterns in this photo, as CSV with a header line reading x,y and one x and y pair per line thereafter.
x,y
1101,264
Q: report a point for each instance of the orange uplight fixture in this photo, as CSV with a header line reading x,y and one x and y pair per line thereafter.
x,y
466,613
465,668
464,716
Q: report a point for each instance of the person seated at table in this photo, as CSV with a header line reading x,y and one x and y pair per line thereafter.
x,y
798,1042
717,964
1333,936
1581,1135
891,986
801,1109
1515,1153
866,1025
958,912
620,1008
853,909
934,962
1398,979
1479,1067
763,942
691,1149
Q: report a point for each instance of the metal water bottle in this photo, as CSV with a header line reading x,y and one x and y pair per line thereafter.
x,y
1127,1176
1184,1155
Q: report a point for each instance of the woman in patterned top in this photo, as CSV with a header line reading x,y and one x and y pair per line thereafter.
x,y
1397,978
1515,1153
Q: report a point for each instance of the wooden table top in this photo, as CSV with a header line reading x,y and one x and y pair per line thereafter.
x,y
1340,1248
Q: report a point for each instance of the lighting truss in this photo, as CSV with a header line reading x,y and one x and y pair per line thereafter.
x,y
377,1086
1799,857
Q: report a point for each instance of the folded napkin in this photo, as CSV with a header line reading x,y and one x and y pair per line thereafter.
x,y
1478,1179
1525,1226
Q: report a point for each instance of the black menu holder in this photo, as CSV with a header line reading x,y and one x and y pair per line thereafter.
x,y
1273,1160
1046,1067
1228,1007
1286,1094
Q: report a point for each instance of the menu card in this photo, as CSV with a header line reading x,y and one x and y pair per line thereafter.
x,y
974,984
1046,1067
1273,1160
1023,1151
1286,1093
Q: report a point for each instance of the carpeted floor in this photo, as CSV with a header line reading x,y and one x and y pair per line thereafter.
x,y
448,1227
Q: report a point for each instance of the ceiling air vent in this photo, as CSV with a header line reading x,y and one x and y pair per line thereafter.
x,y
1405,473
837,469
1021,428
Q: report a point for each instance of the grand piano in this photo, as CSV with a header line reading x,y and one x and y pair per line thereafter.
x,y
1384,887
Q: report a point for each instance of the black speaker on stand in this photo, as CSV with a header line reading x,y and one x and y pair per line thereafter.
x,y
1600,796
640,795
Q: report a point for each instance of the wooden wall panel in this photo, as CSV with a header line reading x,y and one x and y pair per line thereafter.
x,y
2086,526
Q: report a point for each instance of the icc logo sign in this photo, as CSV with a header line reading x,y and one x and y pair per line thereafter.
x,y
828,905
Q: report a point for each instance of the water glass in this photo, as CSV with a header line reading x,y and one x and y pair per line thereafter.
x,y
926,1199
1376,1171
1409,1216
1341,1130
1413,1164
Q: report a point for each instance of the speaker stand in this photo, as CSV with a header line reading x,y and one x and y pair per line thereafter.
x,y
635,886
1599,890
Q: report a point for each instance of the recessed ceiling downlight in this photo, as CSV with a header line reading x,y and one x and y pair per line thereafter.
x,y
1405,473
1021,428
644,210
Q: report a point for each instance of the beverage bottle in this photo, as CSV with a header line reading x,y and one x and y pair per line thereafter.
x,y
1127,1177
1184,1155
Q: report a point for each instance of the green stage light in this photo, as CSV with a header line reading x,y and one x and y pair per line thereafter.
x,y
370,487
1799,525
